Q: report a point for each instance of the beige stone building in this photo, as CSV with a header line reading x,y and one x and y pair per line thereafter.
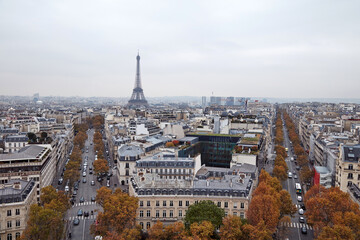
x,y
16,196
348,167
167,200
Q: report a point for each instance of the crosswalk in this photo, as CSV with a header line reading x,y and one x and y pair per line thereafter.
x,y
297,225
82,217
84,204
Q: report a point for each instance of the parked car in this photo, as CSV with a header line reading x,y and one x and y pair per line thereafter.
x,y
299,198
84,180
301,211
84,174
298,168
295,176
304,230
86,214
90,172
80,212
302,206
301,219
93,199
76,221
99,179
108,183
60,181
75,193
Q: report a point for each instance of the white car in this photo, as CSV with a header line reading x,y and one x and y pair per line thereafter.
x,y
299,198
84,174
301,211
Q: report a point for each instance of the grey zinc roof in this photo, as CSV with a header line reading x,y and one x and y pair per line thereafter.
x,y
130,150
351,153
27,152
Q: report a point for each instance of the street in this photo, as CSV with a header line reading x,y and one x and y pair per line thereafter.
x,y
86,191
294,227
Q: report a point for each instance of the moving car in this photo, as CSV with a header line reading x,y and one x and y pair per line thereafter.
x,y
92,183
60,181
108,183
84,174
76,221
290,175
295,176
301,211
82,199
86,214
80,212
84,180
93,199
304,230
75,193
299,198
301,219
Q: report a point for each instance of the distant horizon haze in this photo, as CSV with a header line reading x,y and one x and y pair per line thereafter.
x,y
276,48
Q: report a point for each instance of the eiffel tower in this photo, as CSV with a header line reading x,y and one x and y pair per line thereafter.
x,y
137,98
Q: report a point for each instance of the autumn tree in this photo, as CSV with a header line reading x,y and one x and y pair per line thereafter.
x,y
100,166
45,221
336,232
280,173
263,208
330,207
233,229
306,174
202,231
204,210
169,144
286,205
119,212
175,231
72,175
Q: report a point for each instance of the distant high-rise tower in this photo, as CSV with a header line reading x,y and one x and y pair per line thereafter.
x,y
137,98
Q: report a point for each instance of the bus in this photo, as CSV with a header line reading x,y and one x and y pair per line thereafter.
x,y
298,188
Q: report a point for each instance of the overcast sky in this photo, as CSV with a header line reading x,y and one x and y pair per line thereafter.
x,y
291,48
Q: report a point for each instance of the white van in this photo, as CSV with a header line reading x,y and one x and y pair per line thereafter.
x,y
66,188
290,174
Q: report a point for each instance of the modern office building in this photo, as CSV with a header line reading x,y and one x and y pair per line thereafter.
x,y
33,162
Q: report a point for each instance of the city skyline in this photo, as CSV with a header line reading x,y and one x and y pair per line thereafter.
x,y
194,49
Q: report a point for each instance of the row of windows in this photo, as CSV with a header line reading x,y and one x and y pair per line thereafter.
x,y
187,203
17,145
9,236
157,215
9,212
171,213
9,224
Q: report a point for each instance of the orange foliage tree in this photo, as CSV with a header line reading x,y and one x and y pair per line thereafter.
x,y
119,212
